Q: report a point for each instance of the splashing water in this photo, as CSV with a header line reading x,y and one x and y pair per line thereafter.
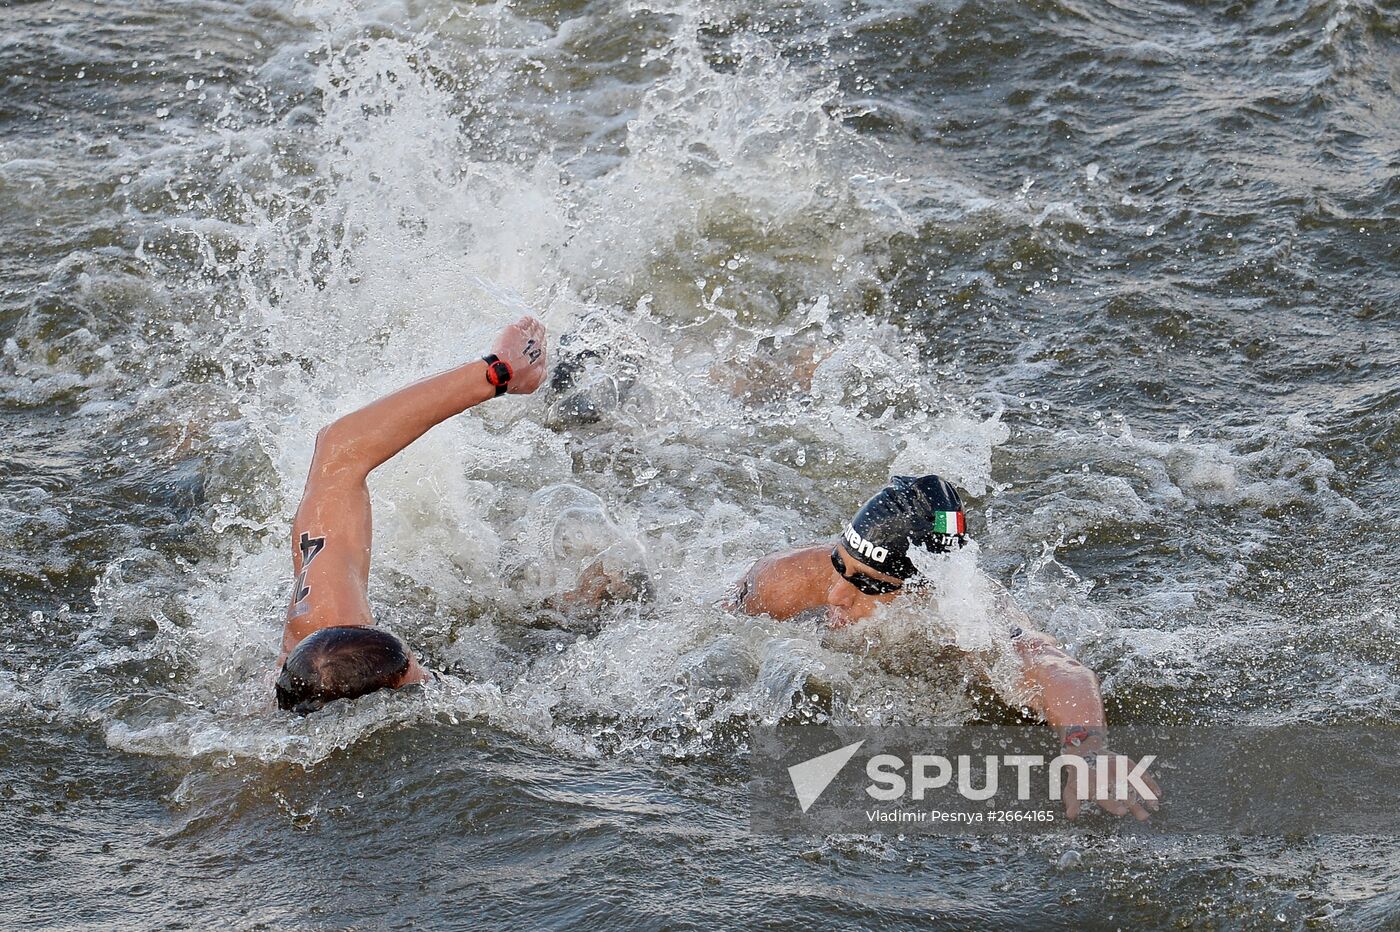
x,y
379,235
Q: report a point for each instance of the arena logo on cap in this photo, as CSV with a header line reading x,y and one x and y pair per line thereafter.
x,y
864,547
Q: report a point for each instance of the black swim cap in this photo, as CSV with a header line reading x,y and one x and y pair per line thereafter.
x,y
924,512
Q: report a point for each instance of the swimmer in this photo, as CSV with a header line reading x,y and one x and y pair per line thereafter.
x,y
331,648
868,565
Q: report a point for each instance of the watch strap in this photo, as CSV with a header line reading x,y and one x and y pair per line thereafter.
x,y
498,373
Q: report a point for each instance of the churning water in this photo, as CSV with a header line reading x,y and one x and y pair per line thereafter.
x,y
1127,274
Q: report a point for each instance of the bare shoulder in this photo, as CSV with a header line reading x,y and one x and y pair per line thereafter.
x,y
785,583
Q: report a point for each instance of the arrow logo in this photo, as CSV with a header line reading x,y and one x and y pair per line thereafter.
x,y
811,777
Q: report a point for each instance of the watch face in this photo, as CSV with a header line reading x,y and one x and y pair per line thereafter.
x,y
498,374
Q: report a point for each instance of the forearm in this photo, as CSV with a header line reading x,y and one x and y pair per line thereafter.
x,y
1063,691
368,437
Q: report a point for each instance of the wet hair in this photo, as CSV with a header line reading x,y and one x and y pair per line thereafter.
x,y
340,662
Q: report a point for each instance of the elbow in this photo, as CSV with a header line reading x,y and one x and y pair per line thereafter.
x,y
332,443
1072,671
336,452
1080,681
332,435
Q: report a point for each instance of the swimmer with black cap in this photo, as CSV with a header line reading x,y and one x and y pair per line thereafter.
x,y
869,565
330,647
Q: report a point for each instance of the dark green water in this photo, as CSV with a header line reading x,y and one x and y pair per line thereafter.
x,y
1128,274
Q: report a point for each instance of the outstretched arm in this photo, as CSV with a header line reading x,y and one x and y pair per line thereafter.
x,y
1060,689
1065,694
364,439
331,534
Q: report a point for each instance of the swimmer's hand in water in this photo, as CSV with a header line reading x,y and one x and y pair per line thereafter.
x,y
1107,796
523,346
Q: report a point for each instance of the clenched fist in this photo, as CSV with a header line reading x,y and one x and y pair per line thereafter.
x,y
522,345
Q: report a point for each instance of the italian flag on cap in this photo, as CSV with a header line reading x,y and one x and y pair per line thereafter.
x,y
949,522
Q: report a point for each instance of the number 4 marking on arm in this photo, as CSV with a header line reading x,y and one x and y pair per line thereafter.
x,y
310,546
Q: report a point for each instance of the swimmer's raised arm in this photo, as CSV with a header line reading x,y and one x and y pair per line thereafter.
x,y
331,533
364,439
1057,687
1065,694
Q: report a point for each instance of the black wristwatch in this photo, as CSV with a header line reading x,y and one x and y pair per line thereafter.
x,y
498,373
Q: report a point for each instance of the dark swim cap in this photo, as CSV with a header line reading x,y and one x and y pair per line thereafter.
x,y
924,512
